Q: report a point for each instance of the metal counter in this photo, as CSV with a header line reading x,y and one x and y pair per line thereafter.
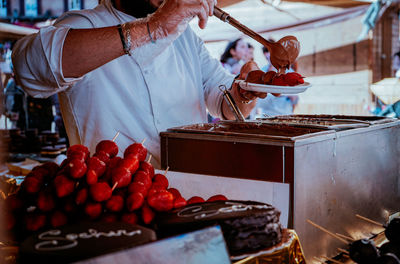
x,y
333,175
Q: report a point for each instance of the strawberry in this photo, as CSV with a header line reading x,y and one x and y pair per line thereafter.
x,y
134,201
77,168
115,203
179,202
63,185
161,201
81,196
136,149
218,197
138,187
195,199
93,210
58,218
147,214
100,191
293,78
130,218
161,180
108,146
279,80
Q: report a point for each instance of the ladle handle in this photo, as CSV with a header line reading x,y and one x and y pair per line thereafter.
x,y
225,17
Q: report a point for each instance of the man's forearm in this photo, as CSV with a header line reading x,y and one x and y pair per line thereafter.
x,y
244,108
93,48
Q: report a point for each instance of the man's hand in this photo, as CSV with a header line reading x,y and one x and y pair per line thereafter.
x,y
247,95
173,16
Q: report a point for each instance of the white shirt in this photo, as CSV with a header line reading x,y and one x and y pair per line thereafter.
x,y
162,85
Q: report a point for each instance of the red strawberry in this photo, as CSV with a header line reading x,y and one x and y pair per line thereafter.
x,y
96,169
108,146
136,149
293,78
110,166
58,218
161,180
32,184
93,210
77,168
45,201
195,199
147,167
138,187
174,192
155,188
161,201
147,214
279,80
130,162
78,151
103,156
81,196
121,176
115,203
218,197
130,218
179,202
134,201
100,191
34,221
63,186
142,177
109,218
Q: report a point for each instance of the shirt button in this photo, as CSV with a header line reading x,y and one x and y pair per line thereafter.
x,y
158,121
146,71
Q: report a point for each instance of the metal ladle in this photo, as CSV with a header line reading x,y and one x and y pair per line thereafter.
x,y
280,57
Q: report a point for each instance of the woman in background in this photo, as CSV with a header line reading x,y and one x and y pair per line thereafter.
x,y
235,55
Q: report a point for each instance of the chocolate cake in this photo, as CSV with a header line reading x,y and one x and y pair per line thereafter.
x,y
85,240
247,226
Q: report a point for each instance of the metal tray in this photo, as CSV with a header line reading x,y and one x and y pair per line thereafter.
x,y
335,122
250,129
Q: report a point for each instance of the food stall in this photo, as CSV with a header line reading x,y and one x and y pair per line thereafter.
x,y
336,167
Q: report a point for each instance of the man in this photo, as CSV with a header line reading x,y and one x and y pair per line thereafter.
x,y
116,68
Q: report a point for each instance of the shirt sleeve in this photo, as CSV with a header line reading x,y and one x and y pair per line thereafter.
x,y
214,75
37,58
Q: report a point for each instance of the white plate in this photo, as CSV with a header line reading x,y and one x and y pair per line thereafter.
x,y
264,88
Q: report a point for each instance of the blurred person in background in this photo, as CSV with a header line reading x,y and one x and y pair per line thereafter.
x,y
250,52
235,55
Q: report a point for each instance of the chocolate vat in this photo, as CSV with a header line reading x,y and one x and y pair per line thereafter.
x,y
333,175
